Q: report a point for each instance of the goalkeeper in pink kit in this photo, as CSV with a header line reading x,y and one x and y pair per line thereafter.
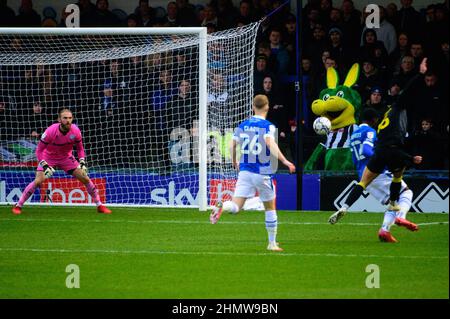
x,y
55,151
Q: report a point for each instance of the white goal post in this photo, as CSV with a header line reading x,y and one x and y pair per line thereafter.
x,y
156,107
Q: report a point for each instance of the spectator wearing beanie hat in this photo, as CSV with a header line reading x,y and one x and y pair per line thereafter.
x,y
376,101
336,48
335,29
386,32
369,77
373,48
260,72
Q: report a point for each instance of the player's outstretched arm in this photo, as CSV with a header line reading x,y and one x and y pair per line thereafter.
x,y
406,95
417,159
275,151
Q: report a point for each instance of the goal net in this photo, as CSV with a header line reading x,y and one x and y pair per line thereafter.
x,y
156,108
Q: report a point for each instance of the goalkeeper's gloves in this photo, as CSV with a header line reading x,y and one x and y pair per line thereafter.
x,y
48,170
83,166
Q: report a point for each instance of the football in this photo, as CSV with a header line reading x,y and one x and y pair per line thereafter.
x,y
322,125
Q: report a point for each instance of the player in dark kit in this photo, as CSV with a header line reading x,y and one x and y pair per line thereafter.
x,y
389,149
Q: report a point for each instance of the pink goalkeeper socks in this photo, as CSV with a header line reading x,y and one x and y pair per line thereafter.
x,y
92,190
29,191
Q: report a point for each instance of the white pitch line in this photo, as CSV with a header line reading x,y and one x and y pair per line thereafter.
x,y
433,223
208,253
174,222
122,221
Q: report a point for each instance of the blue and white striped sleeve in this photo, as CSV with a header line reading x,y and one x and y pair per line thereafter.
x,y
270,131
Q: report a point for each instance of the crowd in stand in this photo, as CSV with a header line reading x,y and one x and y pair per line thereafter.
x,y
109,94
334,33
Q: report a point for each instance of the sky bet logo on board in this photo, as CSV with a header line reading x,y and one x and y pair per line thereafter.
x,y
170,195
219,190
12,196
70,190
56,190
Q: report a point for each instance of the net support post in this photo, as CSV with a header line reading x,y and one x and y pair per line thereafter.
x,y
203,125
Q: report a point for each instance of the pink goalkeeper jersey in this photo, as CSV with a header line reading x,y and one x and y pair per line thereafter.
x,y
56,145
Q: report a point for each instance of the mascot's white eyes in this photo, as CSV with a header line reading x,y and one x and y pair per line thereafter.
x,y
340,94
326,97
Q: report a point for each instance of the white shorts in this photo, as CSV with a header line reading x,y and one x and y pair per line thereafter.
x,y
248,183
380,187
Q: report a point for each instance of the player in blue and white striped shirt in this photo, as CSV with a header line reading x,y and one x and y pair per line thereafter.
x,y
363,139
259,157
362,143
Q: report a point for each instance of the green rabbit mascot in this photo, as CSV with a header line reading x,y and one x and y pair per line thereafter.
x,y
341,105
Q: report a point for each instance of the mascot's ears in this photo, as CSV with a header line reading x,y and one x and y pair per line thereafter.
x,y
352,76
332,78
350,80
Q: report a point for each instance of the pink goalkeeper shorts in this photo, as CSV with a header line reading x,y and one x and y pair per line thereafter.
x,y
68,164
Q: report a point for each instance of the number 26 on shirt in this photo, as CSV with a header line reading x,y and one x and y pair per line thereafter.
x,y
250,145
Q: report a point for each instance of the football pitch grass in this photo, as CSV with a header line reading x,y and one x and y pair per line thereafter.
x,y
176,253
